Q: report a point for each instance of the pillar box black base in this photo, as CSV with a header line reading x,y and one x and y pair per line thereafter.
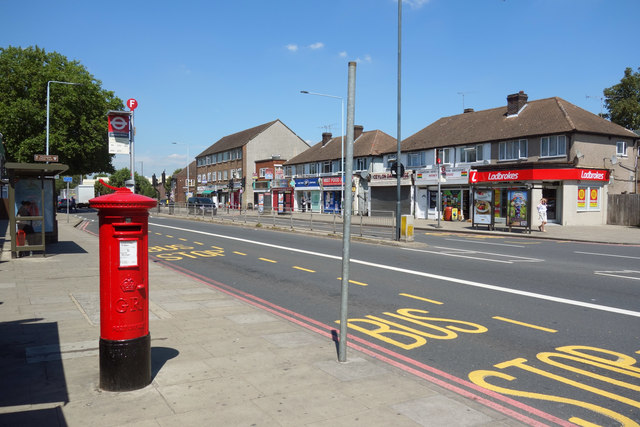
x,y
125,365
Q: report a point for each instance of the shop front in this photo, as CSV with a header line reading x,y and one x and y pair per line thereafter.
x,y
508,198
261,194
454,193
384,193
308,194
282,196
332,194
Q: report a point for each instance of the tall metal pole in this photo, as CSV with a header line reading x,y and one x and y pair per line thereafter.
x,y
398,152
132,151
346,230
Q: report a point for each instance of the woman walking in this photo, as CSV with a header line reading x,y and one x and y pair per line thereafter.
x,y
542,214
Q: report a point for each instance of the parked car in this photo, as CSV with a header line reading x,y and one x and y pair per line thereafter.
x,y
201,205
62,205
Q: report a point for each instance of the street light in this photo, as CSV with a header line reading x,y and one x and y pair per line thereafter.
x,y
186,193
342,142
48,92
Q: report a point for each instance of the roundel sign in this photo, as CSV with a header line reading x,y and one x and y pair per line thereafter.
x,y
132,104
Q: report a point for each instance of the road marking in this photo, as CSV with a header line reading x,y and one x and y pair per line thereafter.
x,y
217,247
171,237
621,272
484,243
528,325
198,243
466,253
267,260
612,255
182,238
354,282
421,274
303,269
420,298
239,253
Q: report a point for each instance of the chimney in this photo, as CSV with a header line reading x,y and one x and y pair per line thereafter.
x,y
515,102
468,110
357,131
326,137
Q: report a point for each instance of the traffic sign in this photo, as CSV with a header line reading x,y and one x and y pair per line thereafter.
x,y
45,158
67,179
132,104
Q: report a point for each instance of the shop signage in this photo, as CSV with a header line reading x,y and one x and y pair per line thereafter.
x,y
306,182
453,175
332,181
539,174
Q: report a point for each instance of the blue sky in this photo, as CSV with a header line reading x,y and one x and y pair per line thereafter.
x,y
201,70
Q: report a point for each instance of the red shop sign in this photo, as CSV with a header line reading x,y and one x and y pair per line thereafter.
x,y
332,181
538,175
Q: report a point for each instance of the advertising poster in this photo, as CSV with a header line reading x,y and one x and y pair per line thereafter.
x,y
593,198
582,197
482,207
260,202
517,209
497,206
28,190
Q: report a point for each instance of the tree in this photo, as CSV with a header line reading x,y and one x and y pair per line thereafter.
x,y
623,100
77,117
142,184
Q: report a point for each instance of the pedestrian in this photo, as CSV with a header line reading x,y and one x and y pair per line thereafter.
x,y
542,214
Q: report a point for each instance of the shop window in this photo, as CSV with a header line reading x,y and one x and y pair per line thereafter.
x,y
513,150
621,148
589,198
553,146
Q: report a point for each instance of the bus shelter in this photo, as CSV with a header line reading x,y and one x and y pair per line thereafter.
x,y
32,206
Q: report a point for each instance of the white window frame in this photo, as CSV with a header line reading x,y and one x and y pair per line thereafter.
x,y
446,156
553,146
513,150
621,148
327,167
472,154
262,172
416,159
313,169
360,164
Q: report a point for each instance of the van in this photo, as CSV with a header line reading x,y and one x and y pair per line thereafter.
x,y
201,205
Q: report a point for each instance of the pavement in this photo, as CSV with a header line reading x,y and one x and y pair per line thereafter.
x,y
216,360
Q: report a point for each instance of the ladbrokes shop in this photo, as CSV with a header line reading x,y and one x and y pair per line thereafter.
x,y
575,196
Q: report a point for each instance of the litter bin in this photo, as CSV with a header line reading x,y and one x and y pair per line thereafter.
x,y
454,214
447,213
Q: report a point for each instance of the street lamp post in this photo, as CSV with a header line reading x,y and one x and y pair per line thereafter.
x,y
48,93
186,193
342,130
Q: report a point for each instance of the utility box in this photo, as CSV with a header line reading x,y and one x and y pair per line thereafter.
x,y
406,228
125,342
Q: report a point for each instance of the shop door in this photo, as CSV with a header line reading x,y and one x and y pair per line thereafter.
x,y
551,194
421,203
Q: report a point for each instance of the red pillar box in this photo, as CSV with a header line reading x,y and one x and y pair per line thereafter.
x,y
125,343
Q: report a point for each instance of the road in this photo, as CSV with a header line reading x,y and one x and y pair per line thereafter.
x,y
543,328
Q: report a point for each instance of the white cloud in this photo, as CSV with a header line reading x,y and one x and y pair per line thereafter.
x,y
367,59
292,47
318,45
177,156
343,54
415,4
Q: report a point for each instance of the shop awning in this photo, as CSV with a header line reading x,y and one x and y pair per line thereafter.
x,y
207,192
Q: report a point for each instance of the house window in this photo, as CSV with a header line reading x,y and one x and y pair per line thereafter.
x,y
225,175
326,166
209,177
513,150
553,146
621,148
471,154
262,173
225,156
219,175
313,168
589,198
360,164
446,155
415,160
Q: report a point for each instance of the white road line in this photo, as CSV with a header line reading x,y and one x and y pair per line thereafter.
x,y
482,242
620,274
466,253
612,255
422,274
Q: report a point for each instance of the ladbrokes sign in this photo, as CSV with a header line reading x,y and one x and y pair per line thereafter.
x,y
539,175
